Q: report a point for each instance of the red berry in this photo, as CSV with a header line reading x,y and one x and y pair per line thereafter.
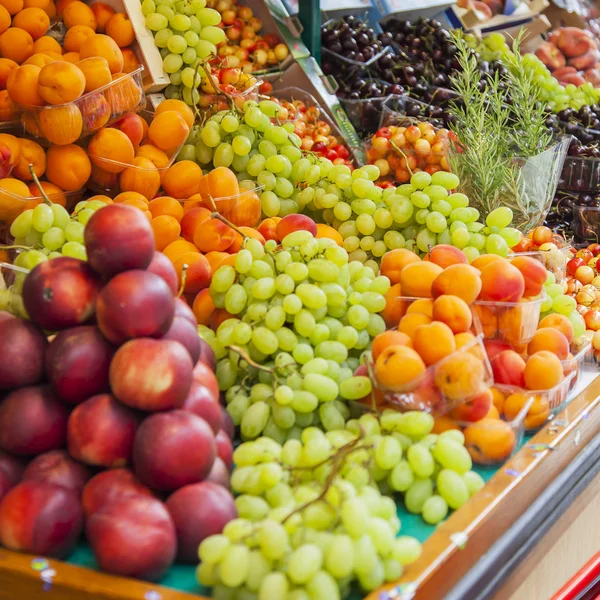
x,y
385,132
319,147
331,154
342,151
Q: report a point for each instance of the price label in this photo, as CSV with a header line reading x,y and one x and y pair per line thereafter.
x,y
333,5
408,5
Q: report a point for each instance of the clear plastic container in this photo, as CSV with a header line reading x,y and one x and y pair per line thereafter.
x,y
544,404
580,174
582,360
11,285
493,441
63,124
452,381
513,322
212,103
12,205
555,261
403,111
364,113
586,222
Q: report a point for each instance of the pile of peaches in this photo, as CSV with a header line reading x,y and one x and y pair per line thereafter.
x,y
94,53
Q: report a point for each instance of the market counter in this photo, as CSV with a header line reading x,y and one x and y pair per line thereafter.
x,y
532,526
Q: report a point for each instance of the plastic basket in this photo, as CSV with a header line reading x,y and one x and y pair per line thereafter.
x,y
449,383
555,261
580,174
513,322
67,123
212,103
586,222
545,404
11,284
12,205
403,111
582,360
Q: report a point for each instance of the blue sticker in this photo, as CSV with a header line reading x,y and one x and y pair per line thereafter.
x,y
540,447
512,472
39,564
152,595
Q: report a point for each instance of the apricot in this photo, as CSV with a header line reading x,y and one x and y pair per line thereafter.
x,y
517,323
389,338
460,376
222,183
75,37
492,413
444,423
124,95
4,19
158,158
10,206
483,260
462,339
445,255
31,153
39,60
509,368
216,259
213,234
15,147
394,261
46,43
191,220
498,399
96,72
61,125
399,368
22,86
501,282
130,60
142,176
549,339
7,109
394,308
104,46
165,205
537,413
50,8
454,312
182,179
60,82
178,247
78,13
459,280
16,44
32,20
474,409
243,210
409,323
54,193
12,6
490,440
178,106
534,274
543,371
168,131
120,29
166,230
128,196
103,13
7,66
559,322
68,167
198,274
417,279
203,307
433,342
326,231
423,305
111,150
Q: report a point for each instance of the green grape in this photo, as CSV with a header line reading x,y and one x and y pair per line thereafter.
x,y
74,232
434,510
208,17
473,481
54,238
452,455
436,222
180,22
417,494
203,48
564,305
172,63
156,22
74,250
495,244
42,218
21,226
452,488
511,236
188,74
447,180
223,155
499,217
422,180
177,43
148,7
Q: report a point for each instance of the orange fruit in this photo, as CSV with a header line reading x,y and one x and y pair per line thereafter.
x,y
33,20
78,13
68,167
16,44
120,29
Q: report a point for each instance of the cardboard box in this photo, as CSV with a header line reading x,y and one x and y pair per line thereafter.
x,y
469,20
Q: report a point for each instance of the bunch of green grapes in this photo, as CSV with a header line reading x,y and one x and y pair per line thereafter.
x,y
49,231
302,315
186,33
556,301
417,216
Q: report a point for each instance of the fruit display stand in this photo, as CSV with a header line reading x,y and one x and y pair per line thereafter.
x,y
496,546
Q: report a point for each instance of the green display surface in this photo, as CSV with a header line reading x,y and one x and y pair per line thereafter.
x,y
183,577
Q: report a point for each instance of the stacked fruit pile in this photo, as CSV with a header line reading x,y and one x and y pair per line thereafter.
x,y
107,392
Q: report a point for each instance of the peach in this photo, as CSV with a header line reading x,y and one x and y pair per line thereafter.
x,y
537,413
454,312
508,368
399,368
543,371
77,363
433,342
183,310
163,267
534,274
501,282
133,127
445,255
111,486
32,421
225,448
202,402
389,338
460,376
291,223
549,339
182,331
101,431
213,234
60,82
559,322
417,279
474,409
489,441
26,345
40,518
198,511
58,468
394,261
484,260
133,537
409,323
205,376
185,455
151,374
219,474
424,306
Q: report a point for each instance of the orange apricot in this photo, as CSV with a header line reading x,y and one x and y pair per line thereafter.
x,y
424,305
548,338
178,106
394,261
124,95
120,29
68,167
417,278
444,423
12,6
198,272
409,323
33,20
158,158
219,183
130,60
103,13
203,307
191,220
399,368
142,176
22,86
4,19
7,66
78,13
60,82
213,234
460,376
543,371
96,72
474,409
182,179
534,274
11,206
394,308
7,109
166,230
489,441
46,43
75,37
537,413
168,131
178,247
216,259
39,60
54,193
104,46
326,231
483,260
123,196
433,342
445,255
454,312
559,322
61,124
31,154
459,280
462,339
389,338
498,399
111,150
165,205
238,242
501,282
14,145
